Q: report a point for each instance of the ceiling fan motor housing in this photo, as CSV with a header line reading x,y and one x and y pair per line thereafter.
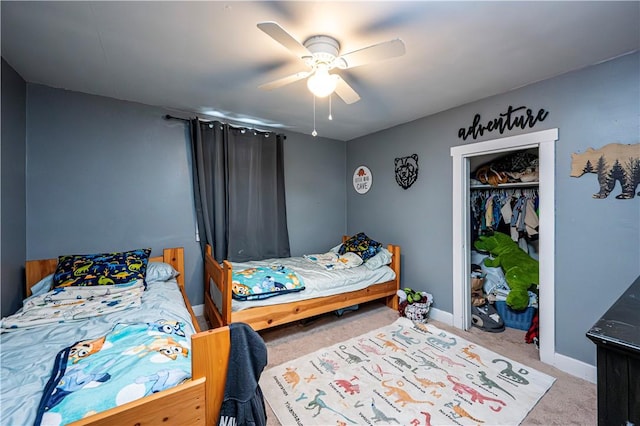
x,y
324,48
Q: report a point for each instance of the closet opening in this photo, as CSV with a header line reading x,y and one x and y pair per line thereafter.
x,y
465,159
504,206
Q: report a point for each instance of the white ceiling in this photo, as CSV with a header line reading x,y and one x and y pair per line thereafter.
x,y
199,57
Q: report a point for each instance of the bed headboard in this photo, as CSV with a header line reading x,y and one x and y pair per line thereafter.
x,y
36,270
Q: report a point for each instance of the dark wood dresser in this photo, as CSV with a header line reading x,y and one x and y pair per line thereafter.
x,y
617,335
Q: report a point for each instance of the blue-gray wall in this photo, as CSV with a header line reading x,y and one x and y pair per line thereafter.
x,y
104,174
316,195
597,241
12,191
107,175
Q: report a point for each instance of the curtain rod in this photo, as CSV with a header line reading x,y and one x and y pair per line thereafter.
x,y
171,117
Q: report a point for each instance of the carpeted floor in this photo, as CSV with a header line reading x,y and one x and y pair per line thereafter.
x,y
570,401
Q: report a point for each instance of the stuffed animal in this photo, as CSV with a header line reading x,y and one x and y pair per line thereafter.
x,y
520,269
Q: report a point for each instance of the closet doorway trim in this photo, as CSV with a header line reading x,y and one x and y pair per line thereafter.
x,y
545,142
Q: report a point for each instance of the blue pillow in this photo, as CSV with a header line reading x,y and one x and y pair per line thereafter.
x,y
160,271
361,245
101,269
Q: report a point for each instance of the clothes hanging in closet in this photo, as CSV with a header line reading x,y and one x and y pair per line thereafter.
x,y
511,211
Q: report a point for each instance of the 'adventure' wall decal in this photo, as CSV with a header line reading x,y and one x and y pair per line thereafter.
x,y
521,117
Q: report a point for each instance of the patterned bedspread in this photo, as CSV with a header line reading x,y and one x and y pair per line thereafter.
x,y
130,362
66,304
333,261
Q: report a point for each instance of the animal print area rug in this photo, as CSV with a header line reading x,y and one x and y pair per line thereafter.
x,y
403,374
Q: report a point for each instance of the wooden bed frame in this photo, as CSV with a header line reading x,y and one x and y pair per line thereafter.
x,y
259,318
196,402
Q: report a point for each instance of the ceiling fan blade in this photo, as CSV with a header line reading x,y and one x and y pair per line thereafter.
x,y
373,53
346,92
279,34
285,80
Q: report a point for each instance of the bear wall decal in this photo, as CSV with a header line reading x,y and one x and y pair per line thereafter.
x,y
406,170
612,163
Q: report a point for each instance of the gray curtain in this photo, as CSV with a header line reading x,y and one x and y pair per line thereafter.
x,y
238,180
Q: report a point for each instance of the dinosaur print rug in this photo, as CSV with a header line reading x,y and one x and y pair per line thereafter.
x,y
403,374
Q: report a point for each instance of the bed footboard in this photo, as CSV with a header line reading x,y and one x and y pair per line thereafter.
x,y
181,405
210,360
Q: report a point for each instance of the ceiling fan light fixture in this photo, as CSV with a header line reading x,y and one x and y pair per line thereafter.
x,y
321,83
321,53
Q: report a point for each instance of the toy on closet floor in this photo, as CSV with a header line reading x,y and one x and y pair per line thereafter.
x,y
533,334
414,304
477,283
520,269
483,313
487,318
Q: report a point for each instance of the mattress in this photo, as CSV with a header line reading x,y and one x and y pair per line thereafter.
x,y
27,356
318,281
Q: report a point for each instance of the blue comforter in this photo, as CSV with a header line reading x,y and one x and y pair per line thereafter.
x,y
28,355
128,363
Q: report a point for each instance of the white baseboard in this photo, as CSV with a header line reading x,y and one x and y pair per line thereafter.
x,y
442,316
564,363
198,310
576,367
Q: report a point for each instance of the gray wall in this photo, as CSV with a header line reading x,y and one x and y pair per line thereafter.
x,y
12,192
316,195
597,241
106,175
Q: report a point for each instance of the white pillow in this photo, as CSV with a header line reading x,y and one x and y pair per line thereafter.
x,y
336,248
160,271
383,257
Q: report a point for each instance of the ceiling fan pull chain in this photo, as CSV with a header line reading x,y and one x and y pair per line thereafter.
x,y
330,116
314,133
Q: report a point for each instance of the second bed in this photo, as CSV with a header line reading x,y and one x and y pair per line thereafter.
x,y
325,291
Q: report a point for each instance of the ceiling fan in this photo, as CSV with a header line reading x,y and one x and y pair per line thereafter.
x,y
321,54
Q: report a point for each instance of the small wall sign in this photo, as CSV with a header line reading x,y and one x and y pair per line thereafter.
x,y
362,179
